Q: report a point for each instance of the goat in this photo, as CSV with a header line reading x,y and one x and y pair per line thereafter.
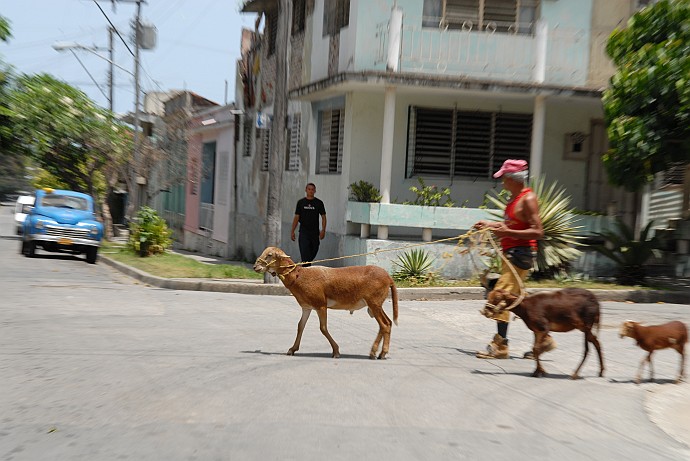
x,y
556,311
654,337
345,288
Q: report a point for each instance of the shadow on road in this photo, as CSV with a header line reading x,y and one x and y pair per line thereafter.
x,y
320,355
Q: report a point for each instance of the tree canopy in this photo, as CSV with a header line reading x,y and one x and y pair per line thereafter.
x,y
66,133
647,105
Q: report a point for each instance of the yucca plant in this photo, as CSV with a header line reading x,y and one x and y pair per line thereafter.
x,y
628,253
414,266
558,246
364,191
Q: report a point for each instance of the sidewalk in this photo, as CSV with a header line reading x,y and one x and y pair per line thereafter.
x,y
679,290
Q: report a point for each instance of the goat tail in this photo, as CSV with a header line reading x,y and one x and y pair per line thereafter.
x,y
394,297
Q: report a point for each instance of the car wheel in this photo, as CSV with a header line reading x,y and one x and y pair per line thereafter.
x,y
91,255
30,249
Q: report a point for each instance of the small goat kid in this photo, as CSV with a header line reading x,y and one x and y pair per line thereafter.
x,y
557,311
654,337
345,288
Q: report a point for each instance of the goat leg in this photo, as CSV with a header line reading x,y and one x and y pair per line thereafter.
x,y
640,369
651,367
537,350
323,326
384,332
681,375
300,329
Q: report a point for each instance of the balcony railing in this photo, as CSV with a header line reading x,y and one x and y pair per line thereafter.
x,y
492,53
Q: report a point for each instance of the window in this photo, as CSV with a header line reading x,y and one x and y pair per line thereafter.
x,y
208,171
272,30
265,149
336,15
299,12
292,160
448,142
509,16
247,136
330,150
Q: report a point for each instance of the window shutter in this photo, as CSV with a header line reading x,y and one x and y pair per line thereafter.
x,y
473,144
500,14
512,137
331,141
265,149
248,138
459,12
298,16
272,26
431,141
294,132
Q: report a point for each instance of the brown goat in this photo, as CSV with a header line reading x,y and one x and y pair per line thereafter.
x,y
556,311
654,337
345,288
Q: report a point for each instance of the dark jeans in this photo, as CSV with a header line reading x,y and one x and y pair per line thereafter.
x,y
308,247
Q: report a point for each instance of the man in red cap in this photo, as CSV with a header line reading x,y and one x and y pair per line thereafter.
x,y
519,233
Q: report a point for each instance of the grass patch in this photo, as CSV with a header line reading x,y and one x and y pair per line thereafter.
x,y
171,265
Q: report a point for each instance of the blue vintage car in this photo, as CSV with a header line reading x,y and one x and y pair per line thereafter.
x,y
62,220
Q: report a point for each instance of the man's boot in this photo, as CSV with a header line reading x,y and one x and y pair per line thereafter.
x,y
497,349
548,344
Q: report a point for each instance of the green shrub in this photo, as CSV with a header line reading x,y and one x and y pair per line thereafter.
x,y
149,233
629,254
414,266
363,191
430,195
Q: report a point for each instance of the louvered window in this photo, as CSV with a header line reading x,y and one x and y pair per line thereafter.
x,y
336,15
298,16
247,138
672,176
330,151
265,149
508,16
448,142
272,29
292,160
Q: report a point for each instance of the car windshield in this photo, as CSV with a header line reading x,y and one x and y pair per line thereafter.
x,y
66,201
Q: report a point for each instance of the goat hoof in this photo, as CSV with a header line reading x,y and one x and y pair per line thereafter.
x,y
382,356
574,377
538,373
372,356
336,355
290,352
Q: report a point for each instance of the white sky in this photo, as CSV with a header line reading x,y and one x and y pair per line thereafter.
x,y
198,45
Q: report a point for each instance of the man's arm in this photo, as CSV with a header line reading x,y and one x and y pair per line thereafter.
x,y
323,227
295,220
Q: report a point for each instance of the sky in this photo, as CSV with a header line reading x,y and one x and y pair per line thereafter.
x,y
198,44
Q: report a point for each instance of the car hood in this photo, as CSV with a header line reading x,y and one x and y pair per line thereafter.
x,y
66,215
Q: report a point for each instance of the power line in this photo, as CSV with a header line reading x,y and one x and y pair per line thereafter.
x,y
114,28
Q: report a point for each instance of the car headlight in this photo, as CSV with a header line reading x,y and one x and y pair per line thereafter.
x,y
93,230
39,224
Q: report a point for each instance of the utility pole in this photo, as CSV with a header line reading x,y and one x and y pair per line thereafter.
x,y
278,132
135,199
111,77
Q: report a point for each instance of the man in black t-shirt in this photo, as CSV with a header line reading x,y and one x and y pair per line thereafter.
x,y
307,215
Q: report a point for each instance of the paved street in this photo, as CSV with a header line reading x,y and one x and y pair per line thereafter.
x,y
97,366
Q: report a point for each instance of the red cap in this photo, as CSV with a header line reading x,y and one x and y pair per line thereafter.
x,y
511,166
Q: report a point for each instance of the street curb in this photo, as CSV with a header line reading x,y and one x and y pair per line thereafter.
x,y
404,294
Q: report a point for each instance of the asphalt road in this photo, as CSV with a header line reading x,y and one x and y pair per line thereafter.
x,y
97,366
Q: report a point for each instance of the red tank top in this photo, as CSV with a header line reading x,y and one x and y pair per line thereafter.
x,y
513,222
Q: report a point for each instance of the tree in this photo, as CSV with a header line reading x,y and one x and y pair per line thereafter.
x,y
66,133
12,162
647,105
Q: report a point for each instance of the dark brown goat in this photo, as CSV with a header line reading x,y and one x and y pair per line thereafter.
x,y
556,311
654,337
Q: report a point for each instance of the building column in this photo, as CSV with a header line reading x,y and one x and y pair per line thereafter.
x,y
387,153
538,127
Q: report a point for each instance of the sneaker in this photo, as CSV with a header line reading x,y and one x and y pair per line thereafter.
x,y
496,349
549,345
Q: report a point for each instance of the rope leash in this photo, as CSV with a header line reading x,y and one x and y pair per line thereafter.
x,y
482,237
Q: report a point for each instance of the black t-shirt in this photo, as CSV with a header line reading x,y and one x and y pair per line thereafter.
x,y
309,212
